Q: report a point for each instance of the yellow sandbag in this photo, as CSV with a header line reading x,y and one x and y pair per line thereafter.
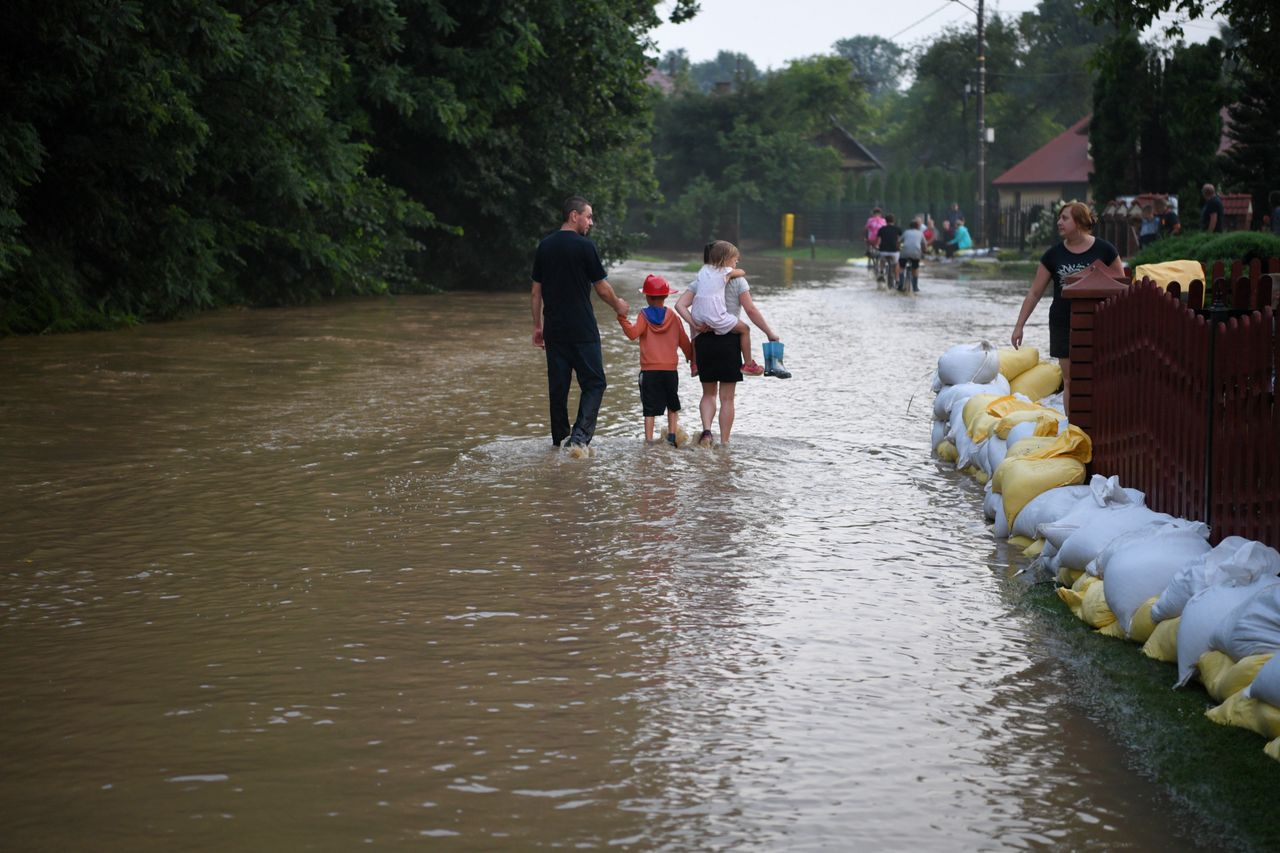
x,y
1039,381
1112,629
1033,550
1246,713
947,452
1163,642
978,474
1043,418
1021,480
975,406
1073,443
1141,626
1069,577
1047,426
1072,599
1273,749
1014,362
1009,404
1222,676
1183,272
983,425
1094,609
1020,542
1019,450
1083,581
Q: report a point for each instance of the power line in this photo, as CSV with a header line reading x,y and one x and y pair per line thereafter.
x,y
919,22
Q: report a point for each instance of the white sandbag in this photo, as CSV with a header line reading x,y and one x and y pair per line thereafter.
x,y
960,436
1201,617
1138,566
1001,529
990,501
939,433
1235,561
1047,506
1105,495
1266,684
1253,628
962,363
1086,542
997,449
936,384
1019,432
953,395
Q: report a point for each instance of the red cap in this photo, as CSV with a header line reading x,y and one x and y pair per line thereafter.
x,y
656,285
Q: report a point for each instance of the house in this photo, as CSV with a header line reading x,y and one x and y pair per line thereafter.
x,y
1057,170
854,156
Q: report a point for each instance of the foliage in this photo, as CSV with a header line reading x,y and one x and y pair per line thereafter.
x,y
1252,164
1207,248
759,146
1156,125
878,64
736,69
161,158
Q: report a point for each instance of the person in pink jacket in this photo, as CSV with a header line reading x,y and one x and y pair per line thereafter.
x,y
661,336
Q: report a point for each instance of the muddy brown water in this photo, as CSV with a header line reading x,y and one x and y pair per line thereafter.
x,y
314,579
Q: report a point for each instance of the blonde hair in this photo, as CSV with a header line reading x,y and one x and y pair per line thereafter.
x,y
720,253
1081,213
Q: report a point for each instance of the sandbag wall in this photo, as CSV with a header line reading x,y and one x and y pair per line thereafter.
x,y
1128,571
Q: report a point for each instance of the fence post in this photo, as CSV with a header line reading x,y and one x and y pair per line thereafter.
x,y
1086,289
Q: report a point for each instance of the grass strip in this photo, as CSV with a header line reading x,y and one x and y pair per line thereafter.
x,y
1219,774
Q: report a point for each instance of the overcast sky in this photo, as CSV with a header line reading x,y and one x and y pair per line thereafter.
x,y
772,32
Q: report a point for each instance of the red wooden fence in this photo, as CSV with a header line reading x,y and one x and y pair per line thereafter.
x,y
1184,404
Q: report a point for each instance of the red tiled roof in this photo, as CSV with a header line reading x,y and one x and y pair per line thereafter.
x,y
1062,160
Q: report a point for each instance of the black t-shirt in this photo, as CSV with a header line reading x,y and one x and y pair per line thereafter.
x,y
567,265
1061,263
890,238
1168,222
1213,205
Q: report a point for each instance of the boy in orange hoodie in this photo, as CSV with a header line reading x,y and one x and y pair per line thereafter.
x,y
661,333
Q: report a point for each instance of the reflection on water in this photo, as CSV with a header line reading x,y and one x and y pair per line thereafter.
x,y
315,577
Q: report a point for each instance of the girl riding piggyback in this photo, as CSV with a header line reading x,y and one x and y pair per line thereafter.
x,y
708,308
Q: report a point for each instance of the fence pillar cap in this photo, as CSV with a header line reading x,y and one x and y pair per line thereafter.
x,y
1094,282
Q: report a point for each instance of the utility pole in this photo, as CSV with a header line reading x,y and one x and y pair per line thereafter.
x,y
982,132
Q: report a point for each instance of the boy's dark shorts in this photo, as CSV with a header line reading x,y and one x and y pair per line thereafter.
x,y
903,263
658,392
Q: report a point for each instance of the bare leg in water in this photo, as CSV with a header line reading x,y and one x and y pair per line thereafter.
x,y
727,391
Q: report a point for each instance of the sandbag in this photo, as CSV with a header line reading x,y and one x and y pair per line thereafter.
x,y
1223,676
1265,686
1017,361
962,363
1164,274
1039,381
938,434
947,452
1246,712
1138,565
952,395
1045,421
1023,479
974,408
989,501
1105,495
1253,628
1202,616
1048,506
1086,543
1140,626
1235,561
996,450
1162,645
1001,528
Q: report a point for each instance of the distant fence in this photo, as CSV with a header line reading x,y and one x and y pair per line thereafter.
x,y
1184,398
1011,227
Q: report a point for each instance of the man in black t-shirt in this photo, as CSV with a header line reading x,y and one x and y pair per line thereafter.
x,y
1212,212
566,268
1169,225
890,238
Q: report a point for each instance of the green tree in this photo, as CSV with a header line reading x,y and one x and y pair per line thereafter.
x,y
1114,130
878,64
735,69
1252,163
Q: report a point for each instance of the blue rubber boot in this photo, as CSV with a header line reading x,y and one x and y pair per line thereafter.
x,y
773,356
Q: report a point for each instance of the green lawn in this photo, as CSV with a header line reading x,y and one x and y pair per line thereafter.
x,y
1219,773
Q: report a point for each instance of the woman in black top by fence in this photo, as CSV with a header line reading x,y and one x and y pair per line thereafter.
x,y
1078,249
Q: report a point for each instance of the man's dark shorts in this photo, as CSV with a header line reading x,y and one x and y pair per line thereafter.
x,y
659,392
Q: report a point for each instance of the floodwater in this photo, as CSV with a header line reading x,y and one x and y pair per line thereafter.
x,y
312,579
